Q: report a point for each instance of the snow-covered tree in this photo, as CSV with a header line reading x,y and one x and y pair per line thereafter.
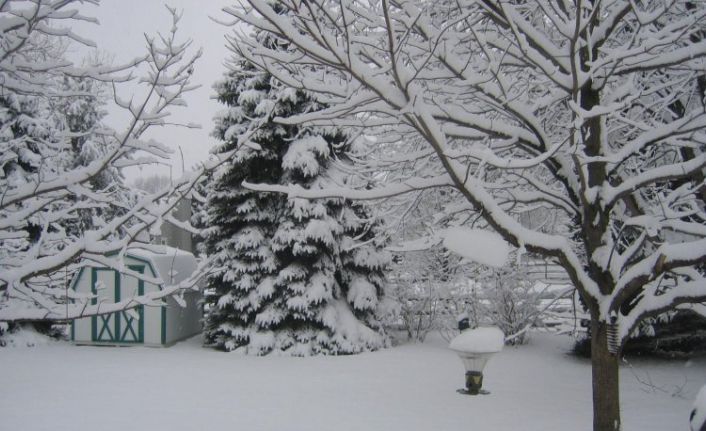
x,y
292,276
58,162
591,108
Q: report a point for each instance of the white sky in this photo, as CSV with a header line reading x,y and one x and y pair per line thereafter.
x,y
122,26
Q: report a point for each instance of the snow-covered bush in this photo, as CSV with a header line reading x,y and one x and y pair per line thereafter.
x,y
677,334
428,307
431,296
511,300
430,288
30,335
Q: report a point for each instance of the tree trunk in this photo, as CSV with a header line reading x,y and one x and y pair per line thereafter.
x,y
606,387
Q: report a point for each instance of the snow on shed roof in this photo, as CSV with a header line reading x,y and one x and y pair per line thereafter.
x,y
171,264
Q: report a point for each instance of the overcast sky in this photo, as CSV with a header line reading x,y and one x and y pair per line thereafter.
x,y
120,33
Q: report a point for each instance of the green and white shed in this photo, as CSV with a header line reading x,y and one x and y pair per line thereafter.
x,y
160,325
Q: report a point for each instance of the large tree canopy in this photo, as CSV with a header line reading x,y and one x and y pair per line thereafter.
x,y
593,109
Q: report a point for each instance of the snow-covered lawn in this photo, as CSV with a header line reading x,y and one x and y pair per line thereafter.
x,y
407,388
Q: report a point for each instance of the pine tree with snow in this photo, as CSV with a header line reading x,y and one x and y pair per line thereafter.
x,y
24,130
292,276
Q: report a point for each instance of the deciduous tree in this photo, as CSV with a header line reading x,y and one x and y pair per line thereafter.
x,y
591,108
46,119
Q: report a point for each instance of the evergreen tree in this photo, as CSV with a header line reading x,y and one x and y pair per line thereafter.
x,y
292,276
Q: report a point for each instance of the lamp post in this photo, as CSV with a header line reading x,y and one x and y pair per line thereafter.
x,y
475,347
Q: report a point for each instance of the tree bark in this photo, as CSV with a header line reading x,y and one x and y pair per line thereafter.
x,y
606,387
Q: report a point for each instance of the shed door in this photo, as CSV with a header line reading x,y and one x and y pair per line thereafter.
x,y
122,326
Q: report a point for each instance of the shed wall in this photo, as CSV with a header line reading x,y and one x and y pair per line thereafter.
x,y
183,322
81,328
161,325
82,331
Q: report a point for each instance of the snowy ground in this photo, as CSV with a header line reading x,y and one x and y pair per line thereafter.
x,y
410,388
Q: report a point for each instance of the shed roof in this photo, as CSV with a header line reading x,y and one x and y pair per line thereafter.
x,y
171,264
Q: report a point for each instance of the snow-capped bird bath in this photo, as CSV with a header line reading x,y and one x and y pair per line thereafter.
x,y
475,347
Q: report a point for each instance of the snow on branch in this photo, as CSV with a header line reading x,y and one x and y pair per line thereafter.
x,y
55,210
595,110
297,191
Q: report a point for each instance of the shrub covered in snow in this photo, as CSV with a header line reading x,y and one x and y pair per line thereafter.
x,y
431,291
434,288
511,301
30,335
676,334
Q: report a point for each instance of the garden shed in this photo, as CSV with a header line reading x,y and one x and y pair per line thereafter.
x,y
144,325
